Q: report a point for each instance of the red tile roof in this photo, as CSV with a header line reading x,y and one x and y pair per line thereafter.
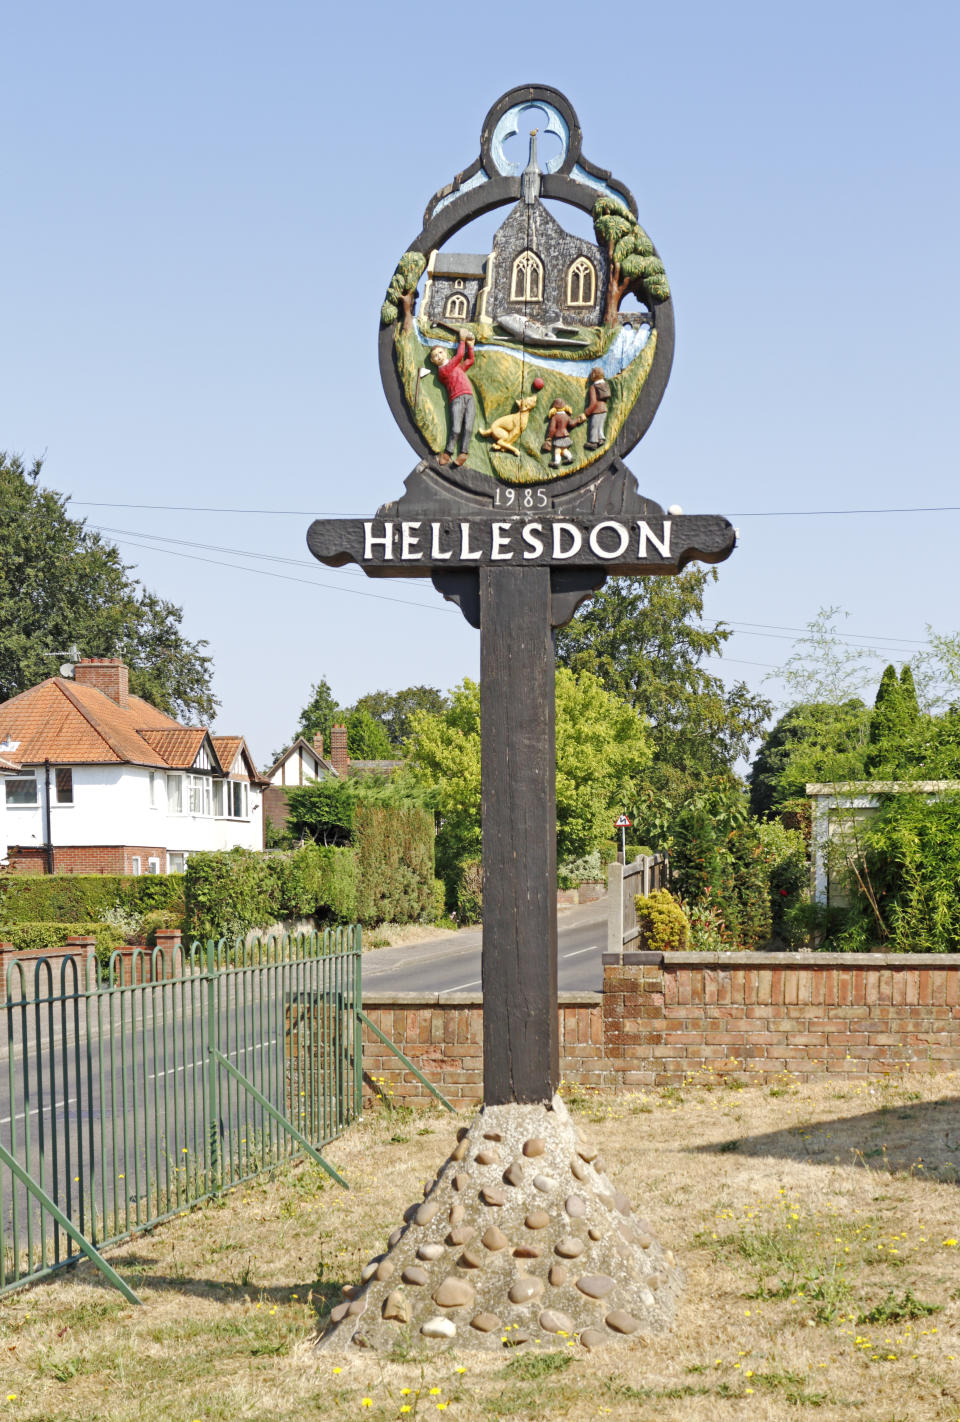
x,y
8,765
78,725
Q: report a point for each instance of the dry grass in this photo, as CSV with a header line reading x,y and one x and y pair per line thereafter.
x,y
397,935
817,1226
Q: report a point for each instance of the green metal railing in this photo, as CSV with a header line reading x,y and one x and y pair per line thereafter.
x,y
127,1097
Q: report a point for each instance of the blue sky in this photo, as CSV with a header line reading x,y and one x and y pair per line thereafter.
x,y
204,203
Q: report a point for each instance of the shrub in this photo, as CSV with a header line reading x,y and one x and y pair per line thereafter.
x,y
395,868
438,908
75,898
157,918
33,937
229,892
785,852
470,892
664,923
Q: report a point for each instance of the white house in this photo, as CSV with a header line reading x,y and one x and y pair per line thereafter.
x,y
837,812
107,784
8,766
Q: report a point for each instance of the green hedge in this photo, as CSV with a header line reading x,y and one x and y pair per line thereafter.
x,y
231,891
27,937
74,898
394,849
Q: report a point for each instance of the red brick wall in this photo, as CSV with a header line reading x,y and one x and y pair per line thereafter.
x,y
658,1019
87,859
106,674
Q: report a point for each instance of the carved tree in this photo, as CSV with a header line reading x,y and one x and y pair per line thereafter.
x,y
633,264
402,291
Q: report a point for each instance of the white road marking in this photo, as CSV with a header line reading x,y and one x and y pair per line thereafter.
x,y
591,949
460,986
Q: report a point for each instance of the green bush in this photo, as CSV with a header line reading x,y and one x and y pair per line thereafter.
x,y
470,892
664,923
75,898
229,892
438,908
157,918
395,866
31,937
912,849
785,853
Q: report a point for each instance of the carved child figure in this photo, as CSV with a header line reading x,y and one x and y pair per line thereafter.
x,y
598,393
451,372
558,432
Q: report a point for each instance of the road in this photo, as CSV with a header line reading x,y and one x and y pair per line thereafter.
x,y
453,964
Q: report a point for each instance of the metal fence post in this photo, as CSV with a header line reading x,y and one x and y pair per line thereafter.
x,y
212,1074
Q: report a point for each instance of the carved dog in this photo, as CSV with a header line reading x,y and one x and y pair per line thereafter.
x,y
508,428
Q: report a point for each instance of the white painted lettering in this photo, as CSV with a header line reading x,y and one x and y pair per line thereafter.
x,y
409,540
645,532
370,538
501,537
436,553
528,533
623,538
466,552
576,540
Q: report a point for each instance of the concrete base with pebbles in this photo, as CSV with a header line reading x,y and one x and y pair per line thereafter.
x,y
521,1239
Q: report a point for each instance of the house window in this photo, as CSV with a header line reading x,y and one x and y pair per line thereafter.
x,y
154,790
200,795
22,790
135,865
457,307
527,281
581,283
176,863
175,794
218,798
239,808
64,783
153,866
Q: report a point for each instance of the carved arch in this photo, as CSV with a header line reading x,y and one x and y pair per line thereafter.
x,y
581,282
526,279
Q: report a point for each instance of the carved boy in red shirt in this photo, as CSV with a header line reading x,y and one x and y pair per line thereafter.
x,y
452,376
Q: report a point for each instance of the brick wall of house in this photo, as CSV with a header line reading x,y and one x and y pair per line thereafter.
x,y
660,1018
104,858
276,806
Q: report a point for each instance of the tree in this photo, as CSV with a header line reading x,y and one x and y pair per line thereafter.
x,y
62,584
320,713
895,721
394,709
814,742
402,290
645,639
633,264
602,747
367,738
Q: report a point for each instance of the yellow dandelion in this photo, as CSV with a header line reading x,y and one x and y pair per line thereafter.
x,y
459,1370
434,1391
338,1370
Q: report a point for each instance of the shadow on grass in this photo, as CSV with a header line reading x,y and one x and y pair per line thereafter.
x,y
920,1138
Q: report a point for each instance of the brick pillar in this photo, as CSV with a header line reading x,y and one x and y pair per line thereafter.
x,y
81,947
339,758
168,941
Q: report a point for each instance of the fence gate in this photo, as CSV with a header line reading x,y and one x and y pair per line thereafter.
x,y
624,883
129,1095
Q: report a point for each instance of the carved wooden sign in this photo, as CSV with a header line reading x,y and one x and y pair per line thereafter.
x,y
521,375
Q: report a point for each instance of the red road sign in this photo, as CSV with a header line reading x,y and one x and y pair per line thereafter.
x,y
621,822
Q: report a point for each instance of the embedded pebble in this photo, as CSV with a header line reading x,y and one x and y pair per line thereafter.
x,y
513,1175
461,1235
599,1165
494,1239
430,1251
395,1307
527,1251
493,1135
669,1257
525,1289
647,1299
595,1286
413,1274
340,1311
553,1321
595,1233
587,1153
579,1169
537,1219
627,1232
655,1281
426,1212
384,1269
460,1150
454,1293
558,1275
395,1238
463,1132
575,1206
456,1214
622,1202
592,1338
350,1291
486,1157
535,1146
491,1196
645,1241
461,1180
439,1328
471,1258
569,1247
605,1199
545,1183
356,1306
515,1338
622,1322
359,1341
368,1270
485,1322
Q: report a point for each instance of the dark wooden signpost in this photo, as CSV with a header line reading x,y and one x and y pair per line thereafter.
x,y
521,382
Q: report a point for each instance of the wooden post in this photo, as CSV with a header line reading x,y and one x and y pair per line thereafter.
x,y
521,1050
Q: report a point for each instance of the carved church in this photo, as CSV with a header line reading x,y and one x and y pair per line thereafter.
x,y
535,269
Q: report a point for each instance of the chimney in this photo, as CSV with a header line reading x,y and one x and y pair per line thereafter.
x,y
338,750
106,674
318,746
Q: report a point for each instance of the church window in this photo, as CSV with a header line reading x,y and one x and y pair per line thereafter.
x,y
581,283
527,281
457,308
